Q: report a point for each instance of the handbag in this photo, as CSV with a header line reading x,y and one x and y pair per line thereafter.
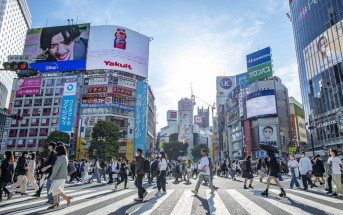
x,y
71,168
279,177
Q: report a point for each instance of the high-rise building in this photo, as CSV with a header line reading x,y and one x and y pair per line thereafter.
x,y
205,113
298,123
317,27
15,20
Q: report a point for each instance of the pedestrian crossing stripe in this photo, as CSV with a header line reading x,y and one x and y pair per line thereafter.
x,y
326,198
184,205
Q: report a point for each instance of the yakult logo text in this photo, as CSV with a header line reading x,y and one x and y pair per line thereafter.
x,y
116,64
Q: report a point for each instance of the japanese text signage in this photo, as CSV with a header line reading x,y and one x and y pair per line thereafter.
x,y
259,65
97,89
141,115
122,91
242,80
68,104
28,86
259,57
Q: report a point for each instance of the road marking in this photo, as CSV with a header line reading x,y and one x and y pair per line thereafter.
x,y
44,207
215,204
115,206
246,203
82,205
311,203
322,197
152,204
184,205
284,206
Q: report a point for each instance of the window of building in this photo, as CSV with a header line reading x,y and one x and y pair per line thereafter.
x,y
38,102
18,103
45,121
26,112
14,123
49,92
50,82
47,101
13,133
56,111
33,132
25,122
22,132
21,143
31,143
46,111
41,142
59,82
57,101
35,112
54,121
58,91
27,102
34,121
11,143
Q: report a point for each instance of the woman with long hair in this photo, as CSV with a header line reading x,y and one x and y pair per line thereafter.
x,y
275,169
294,168
261,169
247,172
161,177
336,164
7,171
59,176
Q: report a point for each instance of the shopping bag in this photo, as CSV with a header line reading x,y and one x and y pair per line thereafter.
x,y
279,177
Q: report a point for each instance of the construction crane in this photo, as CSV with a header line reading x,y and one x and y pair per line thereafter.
x,y
213,107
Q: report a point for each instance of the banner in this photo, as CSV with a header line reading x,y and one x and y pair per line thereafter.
x,y
97,90
68,104
61,48
232,98
198,120
121,90
242,80
268,135
259,57
141,115
98,81
98,100
259,72
28,86
118,48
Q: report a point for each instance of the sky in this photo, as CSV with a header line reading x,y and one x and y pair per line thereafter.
x,y
193,41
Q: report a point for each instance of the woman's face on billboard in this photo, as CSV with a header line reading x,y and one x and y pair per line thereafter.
x,y
323,46
59,49
268,133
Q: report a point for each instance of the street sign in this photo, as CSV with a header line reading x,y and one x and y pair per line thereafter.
x,y
19,58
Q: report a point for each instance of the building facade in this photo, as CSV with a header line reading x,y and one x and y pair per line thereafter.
x,y
15,20
205,113
151,124
317,27
298,123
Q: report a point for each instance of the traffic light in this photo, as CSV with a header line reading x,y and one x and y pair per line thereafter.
x,y
17,117
14,66
27,73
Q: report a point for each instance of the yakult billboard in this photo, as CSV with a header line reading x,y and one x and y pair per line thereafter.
x,y
118,48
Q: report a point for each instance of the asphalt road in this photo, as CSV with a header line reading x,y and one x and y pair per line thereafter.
x,y
229,198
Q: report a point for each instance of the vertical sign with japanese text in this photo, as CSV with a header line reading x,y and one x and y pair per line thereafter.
x,y
68,104
141,116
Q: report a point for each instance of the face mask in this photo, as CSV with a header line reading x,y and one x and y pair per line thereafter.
x,y
291,158
332,154
302,156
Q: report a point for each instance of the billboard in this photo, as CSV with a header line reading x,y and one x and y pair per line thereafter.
x,y
268,135
259,57
261,104
172,115
199,120
59,48
141,116
259,72
68,104
28,86
232,98
242,80
118,48
98,81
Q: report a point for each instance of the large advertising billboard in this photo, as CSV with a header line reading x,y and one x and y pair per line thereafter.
x,y
261,104
28,86
59,48
242,80
118,48
259,57
141,116
268,135
259,65
232,98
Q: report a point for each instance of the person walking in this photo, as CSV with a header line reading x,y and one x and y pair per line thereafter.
x,y
153,170
114,171
261,169
195,170
123,174
275,169
294,168
161,178
328,175
30,174
133,170
336,164
59,175
74,175
7,172
247,172
204,168
305,170
188,169
233,170
103,167
96,168
140,174
21,170
318,170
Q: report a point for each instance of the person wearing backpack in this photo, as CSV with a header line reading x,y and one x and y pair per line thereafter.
x,y
123,174
154,168
21,170
247,172
7,171
141,166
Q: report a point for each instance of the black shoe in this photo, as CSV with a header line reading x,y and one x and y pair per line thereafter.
x,y
334,195
314,186
250,186
245,187
321,183
283,193
37,195
24,194
144,194
329,192
305,188
48,202
265,193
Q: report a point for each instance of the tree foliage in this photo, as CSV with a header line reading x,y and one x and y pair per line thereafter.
x,y
175,149
104,144
55,136
196,151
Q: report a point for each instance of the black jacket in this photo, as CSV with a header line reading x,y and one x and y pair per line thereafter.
x,y
51,161
7,170
318,167
21,165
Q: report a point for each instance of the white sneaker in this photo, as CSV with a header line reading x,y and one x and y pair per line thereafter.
x,y
157,193
138,199
164,192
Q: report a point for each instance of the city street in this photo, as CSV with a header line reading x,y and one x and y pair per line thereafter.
x,y
229,198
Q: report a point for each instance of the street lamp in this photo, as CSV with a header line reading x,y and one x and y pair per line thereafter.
x,y
311,127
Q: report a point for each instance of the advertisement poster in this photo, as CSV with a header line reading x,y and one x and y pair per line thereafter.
x,y
60,48
259,57
186,128
141,116
118,48
242,80
198,120
261,104
97,90
232,98
28,86
98,81
172,115
67,109
259,72
268,135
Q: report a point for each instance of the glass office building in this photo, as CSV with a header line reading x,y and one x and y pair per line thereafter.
x,y
318,34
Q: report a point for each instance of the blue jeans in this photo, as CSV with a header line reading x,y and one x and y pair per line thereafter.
x,y
95,175
294,179
48,186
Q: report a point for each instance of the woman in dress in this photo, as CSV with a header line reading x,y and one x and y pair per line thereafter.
x,y
59,175
336,164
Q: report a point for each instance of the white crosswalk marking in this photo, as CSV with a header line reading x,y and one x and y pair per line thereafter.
x,y
244,202
215,204
116,205
152,204
322,197
311,203
184,205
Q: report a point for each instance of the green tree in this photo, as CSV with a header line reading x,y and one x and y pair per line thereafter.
x,y
175,149
55,136
196,151
104,144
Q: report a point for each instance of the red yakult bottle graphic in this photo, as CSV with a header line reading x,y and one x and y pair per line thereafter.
x,y
120,39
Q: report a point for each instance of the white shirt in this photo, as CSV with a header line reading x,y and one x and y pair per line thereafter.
x,y
305,165
163,164
114,167
293,163
335,165
86,167
204,162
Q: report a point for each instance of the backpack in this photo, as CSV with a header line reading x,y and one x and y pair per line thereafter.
x,y
146,166
154,165
71,168
177,168
243,166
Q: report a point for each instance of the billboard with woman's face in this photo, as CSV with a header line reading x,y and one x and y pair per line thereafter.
x,y
61,48
268,135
